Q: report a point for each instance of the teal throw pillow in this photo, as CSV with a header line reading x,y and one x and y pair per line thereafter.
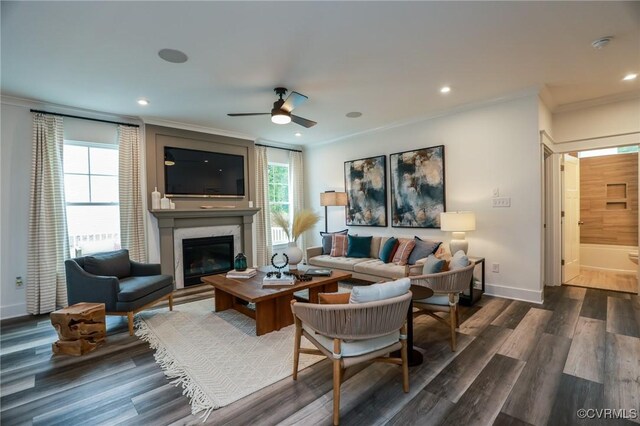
x,y
358,246
389,249
432,265
458,261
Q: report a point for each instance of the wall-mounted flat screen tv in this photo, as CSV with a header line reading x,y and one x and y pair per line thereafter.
x,y
189,172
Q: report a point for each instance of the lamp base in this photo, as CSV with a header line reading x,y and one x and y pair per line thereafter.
x,y
458,243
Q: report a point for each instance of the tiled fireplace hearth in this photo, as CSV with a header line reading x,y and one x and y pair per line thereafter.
x,y
176,226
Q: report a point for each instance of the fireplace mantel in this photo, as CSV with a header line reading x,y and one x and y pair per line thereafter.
x,y
169,220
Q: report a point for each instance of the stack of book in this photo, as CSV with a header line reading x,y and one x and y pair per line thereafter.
x,y
246,274
275,281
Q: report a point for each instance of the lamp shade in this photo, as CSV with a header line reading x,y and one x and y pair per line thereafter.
x,y
458,221
332,198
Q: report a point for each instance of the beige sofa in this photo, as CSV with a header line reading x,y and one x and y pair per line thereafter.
x,y
370,268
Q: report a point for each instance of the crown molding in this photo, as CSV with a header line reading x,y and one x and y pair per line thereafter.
x,y
610,99
197,128
65,109
530,91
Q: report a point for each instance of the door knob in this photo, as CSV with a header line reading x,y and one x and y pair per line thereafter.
x,y
580,222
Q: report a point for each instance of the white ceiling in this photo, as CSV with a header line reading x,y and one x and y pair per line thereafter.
x,y
385,59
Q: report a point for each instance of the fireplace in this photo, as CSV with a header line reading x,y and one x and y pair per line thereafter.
x,y
206,256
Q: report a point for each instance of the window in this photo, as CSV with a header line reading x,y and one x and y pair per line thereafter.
x,y
92,196
279,198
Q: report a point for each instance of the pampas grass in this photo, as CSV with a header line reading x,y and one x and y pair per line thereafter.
x,y
302,221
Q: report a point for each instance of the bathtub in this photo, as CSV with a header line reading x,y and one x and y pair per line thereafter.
x,y
607,257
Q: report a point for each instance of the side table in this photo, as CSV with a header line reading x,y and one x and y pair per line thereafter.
x,y
81,328
474,294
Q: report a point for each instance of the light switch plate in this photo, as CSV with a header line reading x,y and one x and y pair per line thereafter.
x,y
501,202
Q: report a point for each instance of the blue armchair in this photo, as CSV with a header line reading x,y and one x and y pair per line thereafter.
x,y
124,286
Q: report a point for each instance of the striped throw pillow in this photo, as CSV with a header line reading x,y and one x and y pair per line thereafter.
x,y
404,250
339,245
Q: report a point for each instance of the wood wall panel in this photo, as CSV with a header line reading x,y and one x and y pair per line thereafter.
x,y
605,222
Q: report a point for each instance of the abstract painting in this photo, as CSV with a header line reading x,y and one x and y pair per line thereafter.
x,y
366,186
417,188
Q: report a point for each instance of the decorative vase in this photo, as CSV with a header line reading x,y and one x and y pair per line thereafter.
x,y
240,262
295,255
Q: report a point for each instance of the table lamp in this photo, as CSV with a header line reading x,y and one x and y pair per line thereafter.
x,y
331,198
458,223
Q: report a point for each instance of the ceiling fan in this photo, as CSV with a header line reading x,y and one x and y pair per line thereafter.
x,y
281,112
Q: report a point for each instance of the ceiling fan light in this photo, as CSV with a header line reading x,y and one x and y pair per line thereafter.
x,y
280,118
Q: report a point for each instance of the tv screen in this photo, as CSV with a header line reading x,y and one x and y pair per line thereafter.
x,y
203,173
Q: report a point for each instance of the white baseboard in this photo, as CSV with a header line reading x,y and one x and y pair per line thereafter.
x,y
532,296
12,311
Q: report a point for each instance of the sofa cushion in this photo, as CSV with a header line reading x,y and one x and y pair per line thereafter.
x,y
382,291
380,269
422,249
432,265
388,250
355,347
339,245
344,263
458,261
375,247
326,240
110,264
133,288
358,246
404,251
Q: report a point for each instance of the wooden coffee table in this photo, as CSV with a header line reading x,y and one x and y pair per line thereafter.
x,y
273,304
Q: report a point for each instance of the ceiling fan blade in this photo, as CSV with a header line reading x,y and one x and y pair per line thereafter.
x,y
302,121
248,113
295,99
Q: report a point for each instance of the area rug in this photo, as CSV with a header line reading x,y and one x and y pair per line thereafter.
x,y
216,356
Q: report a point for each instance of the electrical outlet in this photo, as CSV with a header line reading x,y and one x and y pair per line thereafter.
x,y
19,282
495,267
501,202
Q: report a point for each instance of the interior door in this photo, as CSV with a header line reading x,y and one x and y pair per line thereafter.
x,y
570,223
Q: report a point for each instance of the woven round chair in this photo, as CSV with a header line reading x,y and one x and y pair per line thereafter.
x,y
447,287
349,334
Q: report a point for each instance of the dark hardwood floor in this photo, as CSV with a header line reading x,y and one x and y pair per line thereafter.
x,y
517,363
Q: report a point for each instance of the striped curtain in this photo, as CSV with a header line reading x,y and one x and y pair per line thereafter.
x,y
132,235
296,185
48,241
263,218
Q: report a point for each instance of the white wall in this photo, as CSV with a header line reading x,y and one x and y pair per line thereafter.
x,y
15,155
494,146
597,121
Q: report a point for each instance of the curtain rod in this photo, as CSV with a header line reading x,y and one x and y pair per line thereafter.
x,y
277,147
85,118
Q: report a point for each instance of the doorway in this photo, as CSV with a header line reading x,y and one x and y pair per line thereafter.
x,y
600,218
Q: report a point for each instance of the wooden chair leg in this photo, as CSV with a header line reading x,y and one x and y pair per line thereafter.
x,y
405,361
457,316
452,319
130,317
296,349
336,383
171,302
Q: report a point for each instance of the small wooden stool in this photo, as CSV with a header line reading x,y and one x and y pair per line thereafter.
x,y
81,328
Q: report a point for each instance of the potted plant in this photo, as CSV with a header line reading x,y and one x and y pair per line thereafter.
x,y
303,220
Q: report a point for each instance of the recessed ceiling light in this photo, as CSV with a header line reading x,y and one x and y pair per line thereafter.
x,y
631,76
143,102
445,89
354,114
172,55
298,134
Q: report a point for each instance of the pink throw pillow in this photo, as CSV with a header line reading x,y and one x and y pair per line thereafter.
x,y
404,250
338,245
